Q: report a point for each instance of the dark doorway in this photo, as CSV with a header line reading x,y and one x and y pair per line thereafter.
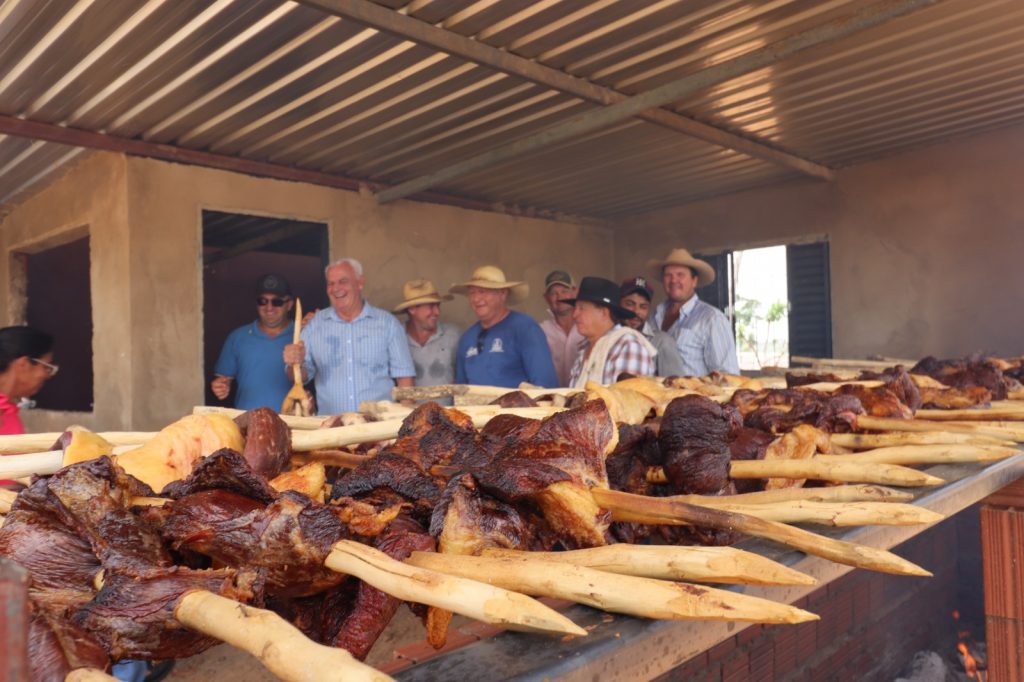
x,y
237,249
59,302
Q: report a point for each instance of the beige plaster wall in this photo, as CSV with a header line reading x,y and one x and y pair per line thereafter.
x,y
925,246
394,243
90,197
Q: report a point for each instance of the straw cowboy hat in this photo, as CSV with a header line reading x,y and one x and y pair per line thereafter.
x,y
705,273
491,277
418,292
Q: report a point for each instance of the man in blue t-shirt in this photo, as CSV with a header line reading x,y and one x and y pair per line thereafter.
x,y
505,347
252,354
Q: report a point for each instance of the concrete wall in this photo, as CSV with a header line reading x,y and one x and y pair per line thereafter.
x,y
925,246
90,198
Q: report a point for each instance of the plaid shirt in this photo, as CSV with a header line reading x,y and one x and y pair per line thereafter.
x,y
628,355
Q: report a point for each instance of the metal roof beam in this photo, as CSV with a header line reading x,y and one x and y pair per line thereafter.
x,y
870,17
77,137
380,18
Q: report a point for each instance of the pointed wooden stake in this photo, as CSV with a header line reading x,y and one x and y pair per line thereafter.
x,y
642,597
726,565
839,551
467,597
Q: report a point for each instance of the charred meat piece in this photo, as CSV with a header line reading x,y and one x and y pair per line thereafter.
x,y
879,402
797,380
372,609
393,472
224,470
467,521
288,539
514,399
268,441
955,398
93,498
964,373
899,381
832,413
506,429
133,616
694,440
636,452
555,470
432,435
56,647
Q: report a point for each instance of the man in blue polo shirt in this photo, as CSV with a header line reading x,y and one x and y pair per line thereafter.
x,y
353,351
251,356
505,347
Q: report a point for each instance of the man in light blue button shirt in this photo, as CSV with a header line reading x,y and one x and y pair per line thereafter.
x,y
353,351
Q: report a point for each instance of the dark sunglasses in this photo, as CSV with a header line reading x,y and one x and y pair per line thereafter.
x,y
276,302
480,338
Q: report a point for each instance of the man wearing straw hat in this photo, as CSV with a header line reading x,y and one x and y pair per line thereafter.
x,y
432,343
702,332
505,347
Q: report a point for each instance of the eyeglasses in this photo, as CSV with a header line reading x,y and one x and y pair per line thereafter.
x,y
276,302
51,369
480,338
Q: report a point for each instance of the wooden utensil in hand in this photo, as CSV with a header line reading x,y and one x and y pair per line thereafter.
x,y
297,402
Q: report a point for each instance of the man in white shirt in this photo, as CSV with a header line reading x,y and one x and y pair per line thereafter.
x,y
702,332
564,339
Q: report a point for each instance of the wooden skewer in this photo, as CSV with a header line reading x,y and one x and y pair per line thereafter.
x,y
89,675
6,500
643,597
467,597
834,493
726,565
333,458
1009,410
848,553
978,429
832,470
291,420
278,644
835,468
45,463
836,514
869,441
927,454
33,442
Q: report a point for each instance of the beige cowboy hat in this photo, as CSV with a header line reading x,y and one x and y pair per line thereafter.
x,y
705,273
492,277
418,292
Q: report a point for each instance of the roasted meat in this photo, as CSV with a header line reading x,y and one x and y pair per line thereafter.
x,y
268,443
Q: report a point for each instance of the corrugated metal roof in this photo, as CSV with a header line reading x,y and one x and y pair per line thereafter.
x,y
285,83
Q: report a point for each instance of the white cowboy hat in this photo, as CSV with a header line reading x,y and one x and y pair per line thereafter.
x,y
418,292
705,273
491,277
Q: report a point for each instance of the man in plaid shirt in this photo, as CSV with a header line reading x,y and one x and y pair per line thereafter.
x,y
611,349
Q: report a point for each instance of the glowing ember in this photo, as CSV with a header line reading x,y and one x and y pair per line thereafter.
x,y
972,666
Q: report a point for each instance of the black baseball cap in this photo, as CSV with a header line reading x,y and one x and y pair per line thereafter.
x,y
273,283
636,285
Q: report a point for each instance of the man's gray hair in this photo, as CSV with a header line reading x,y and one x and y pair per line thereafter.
x,y
356,266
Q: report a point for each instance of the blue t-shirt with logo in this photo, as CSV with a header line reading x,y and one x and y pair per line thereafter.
x,y
256,361
507,354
